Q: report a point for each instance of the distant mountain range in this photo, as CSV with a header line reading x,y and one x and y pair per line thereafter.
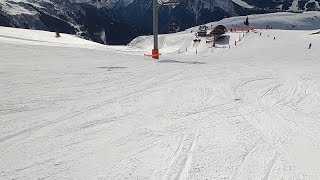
x,y
119,21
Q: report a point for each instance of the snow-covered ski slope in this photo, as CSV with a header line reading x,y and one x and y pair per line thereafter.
x,y
36,37
73,109
181,42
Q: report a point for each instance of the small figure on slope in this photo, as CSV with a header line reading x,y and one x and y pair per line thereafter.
x,y
310,45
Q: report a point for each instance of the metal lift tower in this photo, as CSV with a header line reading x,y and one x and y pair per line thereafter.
x,y
155,51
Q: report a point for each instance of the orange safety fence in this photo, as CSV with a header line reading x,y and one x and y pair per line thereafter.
x,y
241,29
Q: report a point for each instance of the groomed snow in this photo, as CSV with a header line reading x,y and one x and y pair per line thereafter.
x,y
73,109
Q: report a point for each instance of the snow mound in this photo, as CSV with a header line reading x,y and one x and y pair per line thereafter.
x,y
283,20
36,37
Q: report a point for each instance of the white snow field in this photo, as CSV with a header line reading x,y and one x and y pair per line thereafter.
x,y
73,109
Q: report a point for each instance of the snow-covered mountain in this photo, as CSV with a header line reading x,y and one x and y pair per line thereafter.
x,y
228,5
97,23
119,21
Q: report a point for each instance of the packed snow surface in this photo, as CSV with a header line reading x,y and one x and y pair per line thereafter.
x,y
73,109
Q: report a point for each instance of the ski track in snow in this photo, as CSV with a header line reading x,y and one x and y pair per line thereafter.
x,y
93,112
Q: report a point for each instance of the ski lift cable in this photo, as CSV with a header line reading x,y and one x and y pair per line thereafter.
x,y
168,16
168,3
185,26
174,3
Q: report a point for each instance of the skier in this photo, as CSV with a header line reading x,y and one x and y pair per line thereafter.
x,y
310,45
274,38
260,34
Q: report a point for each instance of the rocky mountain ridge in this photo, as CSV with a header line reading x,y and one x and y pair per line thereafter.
x,y
119,21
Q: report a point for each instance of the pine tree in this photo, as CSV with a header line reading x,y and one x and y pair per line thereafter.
x,y
57,34
247,21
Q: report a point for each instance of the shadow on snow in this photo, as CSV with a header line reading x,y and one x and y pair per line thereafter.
x,y
181,62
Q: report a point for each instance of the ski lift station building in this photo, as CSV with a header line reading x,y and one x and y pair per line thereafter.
x,y
216,32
